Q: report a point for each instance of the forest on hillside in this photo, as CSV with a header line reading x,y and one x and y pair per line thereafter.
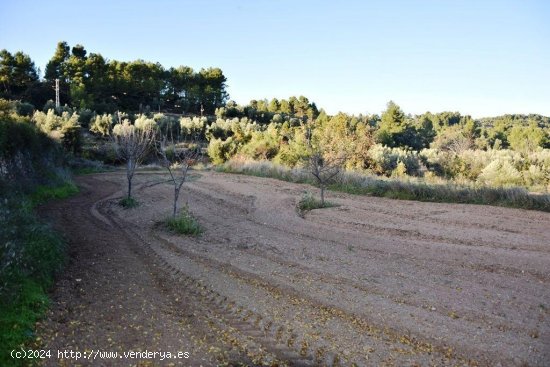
x,y
90,81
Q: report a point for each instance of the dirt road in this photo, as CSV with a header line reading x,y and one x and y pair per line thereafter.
x,y
371,281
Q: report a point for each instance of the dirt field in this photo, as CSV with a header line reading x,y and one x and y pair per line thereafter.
x,y
371,281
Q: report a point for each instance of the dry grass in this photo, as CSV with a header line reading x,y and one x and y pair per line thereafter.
x,y
405,189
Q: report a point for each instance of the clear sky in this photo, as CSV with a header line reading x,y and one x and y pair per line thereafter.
x,y
478,57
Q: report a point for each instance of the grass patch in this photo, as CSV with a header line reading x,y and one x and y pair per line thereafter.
x,y
43,194
91,170
184,223
128,203
18,319
31,256
513,197
83,166
309,202
411,189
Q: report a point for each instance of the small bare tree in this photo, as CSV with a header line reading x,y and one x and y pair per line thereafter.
x,y
325,170
131,145
324,163
178,160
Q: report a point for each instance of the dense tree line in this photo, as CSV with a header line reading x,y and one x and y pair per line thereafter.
x,y
504,150
93,82
262,111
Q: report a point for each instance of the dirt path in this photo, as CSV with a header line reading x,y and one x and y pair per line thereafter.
x,y
372,281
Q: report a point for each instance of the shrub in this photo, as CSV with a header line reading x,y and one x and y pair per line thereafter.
x,y
384,160
24,108
184,223
536,176
85,116
194,127
167,125
142,122
500,173
309,202
128,202
262,144
64,128
240,129
294,150
400,170
220,150
101,124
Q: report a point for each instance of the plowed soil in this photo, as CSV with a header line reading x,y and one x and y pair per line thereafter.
x,y
370,281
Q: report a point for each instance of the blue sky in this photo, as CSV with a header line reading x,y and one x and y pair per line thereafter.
x,y
478,57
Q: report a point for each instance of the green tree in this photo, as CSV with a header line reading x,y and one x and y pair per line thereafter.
x,y
391,125
526,138
17,74
212,93
273,105
285,107
179,86
54,67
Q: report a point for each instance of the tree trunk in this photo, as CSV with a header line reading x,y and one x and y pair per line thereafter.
x,y
129,175
322,195
176,195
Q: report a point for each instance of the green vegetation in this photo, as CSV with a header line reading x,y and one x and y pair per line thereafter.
x,y
128,202
435,150
309,202
445,148
412,189
29,260
89,81
43,193
90,170
184,223
31,254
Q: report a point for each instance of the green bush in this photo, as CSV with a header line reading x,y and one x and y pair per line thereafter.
x,y
194,127
85,117
102,124
220,150
262,145
64,128
15,135
24,109
500,173
384,160
309,202
184,223
128,203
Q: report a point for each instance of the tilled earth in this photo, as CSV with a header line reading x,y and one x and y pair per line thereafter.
x,y
371,281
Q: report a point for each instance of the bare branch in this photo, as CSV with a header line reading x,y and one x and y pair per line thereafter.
x,y
324,168
177,159
131,145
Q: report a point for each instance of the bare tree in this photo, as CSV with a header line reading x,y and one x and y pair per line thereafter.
x,y
178,160
323,162
131,145
325,170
